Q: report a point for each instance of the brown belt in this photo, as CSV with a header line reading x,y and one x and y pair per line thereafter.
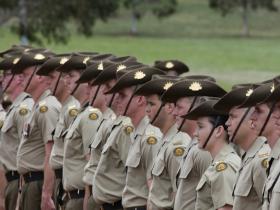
x,y
58,173
76,194
33,176
112,206
136,208
12,175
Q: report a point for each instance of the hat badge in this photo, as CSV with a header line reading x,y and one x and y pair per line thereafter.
x,y
86,60
39,56
169,65
272,88
139,75
167,85
100,66
15,61
63,60
249,92
121,67
195,86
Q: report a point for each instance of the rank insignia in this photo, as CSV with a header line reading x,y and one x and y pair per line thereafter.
x,y
179,151
93,116
265,163
128,129
221,166
43,109
73,112
23,111
151,140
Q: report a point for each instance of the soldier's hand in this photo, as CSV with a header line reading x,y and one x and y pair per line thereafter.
x,y
47,202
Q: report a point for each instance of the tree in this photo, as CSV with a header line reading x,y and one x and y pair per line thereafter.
x,y
49,18
160,8
227,6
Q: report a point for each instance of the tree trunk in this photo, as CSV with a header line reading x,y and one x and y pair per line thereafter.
x,y
23,22
245,19
133,27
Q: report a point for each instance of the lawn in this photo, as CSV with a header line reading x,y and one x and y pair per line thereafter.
x,y
208,43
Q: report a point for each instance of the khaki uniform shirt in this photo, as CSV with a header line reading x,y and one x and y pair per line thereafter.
x,y
2,116
68,112
251,177
97,144
145,145
215,187
272,187
109,179
12,130
77,141
37,132
274,157
271,194
194,163
165,168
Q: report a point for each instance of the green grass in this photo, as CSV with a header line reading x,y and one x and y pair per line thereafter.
x,y
207,42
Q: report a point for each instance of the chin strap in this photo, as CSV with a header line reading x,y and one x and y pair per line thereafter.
x,y
75,89
211,132
30,78
184,120
128,103
239,124
95,95
57,82
157,114
267,118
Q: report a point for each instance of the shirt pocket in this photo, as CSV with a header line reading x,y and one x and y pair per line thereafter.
x,y
133,160
201,183
96,142
59,130
158,167
186,168
243,187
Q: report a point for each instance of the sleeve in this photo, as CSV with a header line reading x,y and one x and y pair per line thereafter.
x,y
202,160
123,142
172,168
222,187
148,155
47,122
88,128
259,177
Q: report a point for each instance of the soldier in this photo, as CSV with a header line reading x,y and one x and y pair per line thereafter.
x,y
36,144
105,80
265,120
252,174
12,129
77,139
194,161
166,164
214,190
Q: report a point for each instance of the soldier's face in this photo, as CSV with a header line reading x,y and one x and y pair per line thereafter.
x,y
122,99
53,77
259,116
181,108
153,105
17,81
70,79
106,87
35,81
235,116
203,130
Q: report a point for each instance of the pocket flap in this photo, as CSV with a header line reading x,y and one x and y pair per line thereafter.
x,y
8,123
243,188
133,160
201,183
158,167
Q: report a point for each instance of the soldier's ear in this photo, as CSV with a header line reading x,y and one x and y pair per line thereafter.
x,y
219,131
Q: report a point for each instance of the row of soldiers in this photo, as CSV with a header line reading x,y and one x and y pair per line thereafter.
x,y
95,131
